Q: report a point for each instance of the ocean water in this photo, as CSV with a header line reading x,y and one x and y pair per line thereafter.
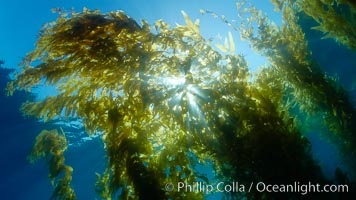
x,y
21,22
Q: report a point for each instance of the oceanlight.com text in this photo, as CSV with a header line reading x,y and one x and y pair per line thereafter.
x,y
297,187
301,188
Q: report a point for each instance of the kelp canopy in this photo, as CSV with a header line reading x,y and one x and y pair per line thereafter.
x,y
164,100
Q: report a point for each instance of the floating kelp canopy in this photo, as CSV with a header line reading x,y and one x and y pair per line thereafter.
x,y
165,100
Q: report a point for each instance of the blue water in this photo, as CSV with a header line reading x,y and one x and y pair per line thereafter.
x,y
22,180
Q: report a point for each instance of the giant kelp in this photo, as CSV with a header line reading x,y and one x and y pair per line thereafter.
x,y
113,74
259,141
51,145
288,52
335,18
286,48
164,100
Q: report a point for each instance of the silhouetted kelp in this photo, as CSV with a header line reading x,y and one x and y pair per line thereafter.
x,y
165,100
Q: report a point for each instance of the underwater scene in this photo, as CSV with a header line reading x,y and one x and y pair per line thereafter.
x,y
178,99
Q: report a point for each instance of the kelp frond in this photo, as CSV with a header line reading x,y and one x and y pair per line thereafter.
x,y
287,50
165,100
335,18
51,145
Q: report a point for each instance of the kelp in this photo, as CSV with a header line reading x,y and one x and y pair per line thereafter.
x,y
112,73
51,145
164,100
287,51
335,18
259,141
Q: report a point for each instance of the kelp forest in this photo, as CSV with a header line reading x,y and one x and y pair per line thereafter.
x,y
165,100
